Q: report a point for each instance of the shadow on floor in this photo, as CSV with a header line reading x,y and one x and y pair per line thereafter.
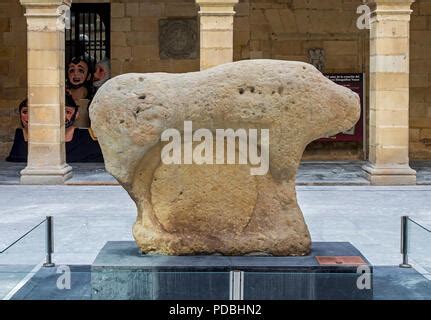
x,y
43,285
390,283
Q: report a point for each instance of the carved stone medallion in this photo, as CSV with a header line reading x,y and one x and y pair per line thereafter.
x,y
178,38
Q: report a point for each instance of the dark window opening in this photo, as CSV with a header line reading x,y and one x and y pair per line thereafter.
x,y
89,31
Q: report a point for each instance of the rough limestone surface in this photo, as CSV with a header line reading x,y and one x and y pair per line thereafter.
x,y
191,209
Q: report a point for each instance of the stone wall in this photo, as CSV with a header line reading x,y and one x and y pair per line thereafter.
x,y
287,29
420,81
135,35
283,29
13,74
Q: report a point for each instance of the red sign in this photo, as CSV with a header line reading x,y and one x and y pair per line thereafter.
x,y
355,82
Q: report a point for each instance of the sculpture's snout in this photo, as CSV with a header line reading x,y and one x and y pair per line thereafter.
x,y
344,105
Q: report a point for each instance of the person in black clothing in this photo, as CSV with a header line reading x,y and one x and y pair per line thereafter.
x,y
18,153
81,145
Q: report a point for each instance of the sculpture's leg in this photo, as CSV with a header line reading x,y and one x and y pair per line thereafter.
x,y
146,226
285,231
277,201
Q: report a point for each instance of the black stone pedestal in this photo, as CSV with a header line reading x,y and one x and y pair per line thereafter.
x,y
121,272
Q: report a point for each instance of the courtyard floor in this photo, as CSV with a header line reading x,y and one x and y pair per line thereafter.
x,y
87,216
318,173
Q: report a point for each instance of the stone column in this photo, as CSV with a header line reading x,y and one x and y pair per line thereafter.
x,y
389,93
45,64
216,32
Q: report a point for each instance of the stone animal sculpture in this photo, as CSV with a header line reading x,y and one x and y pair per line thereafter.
x,y
190,209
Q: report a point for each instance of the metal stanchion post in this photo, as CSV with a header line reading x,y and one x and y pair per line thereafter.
x,y
49,241
404,242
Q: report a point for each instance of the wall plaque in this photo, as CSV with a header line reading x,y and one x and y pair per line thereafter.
x,y
178,38
317,58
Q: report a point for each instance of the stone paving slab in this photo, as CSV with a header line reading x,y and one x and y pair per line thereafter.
x,y
11,276
423,172
331,173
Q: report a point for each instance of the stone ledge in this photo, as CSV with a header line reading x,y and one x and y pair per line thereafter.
x,y
389,175
46,175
